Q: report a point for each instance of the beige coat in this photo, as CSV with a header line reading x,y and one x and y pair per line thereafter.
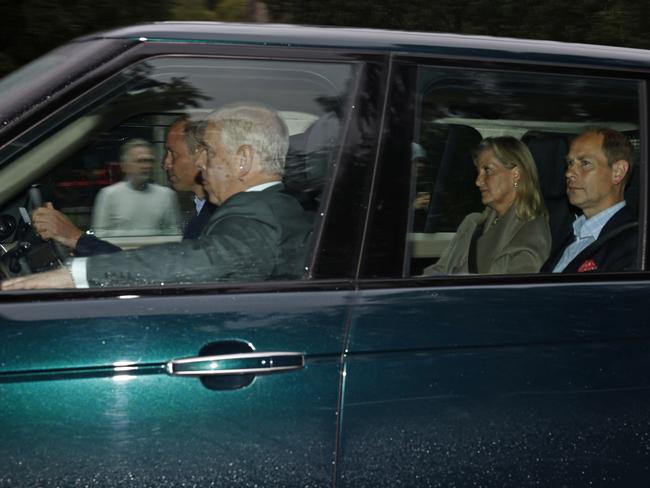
x,y
508,245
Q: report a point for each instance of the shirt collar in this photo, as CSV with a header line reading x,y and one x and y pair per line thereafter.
x,y
145,186
198,204
592,227
263,186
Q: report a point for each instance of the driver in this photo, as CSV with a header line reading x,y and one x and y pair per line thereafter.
x,y
257,233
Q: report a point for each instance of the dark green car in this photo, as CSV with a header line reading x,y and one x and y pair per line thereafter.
x,y
364,372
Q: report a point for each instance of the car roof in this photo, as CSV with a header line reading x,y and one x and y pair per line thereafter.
x,y
383,40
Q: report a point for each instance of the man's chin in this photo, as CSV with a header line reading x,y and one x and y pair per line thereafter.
x,y
177,187
573,198
141,181
212,198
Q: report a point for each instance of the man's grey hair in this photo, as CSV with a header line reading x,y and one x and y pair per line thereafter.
x,y
258,126
130,144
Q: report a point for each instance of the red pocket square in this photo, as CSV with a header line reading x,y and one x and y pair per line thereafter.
x,y
588,265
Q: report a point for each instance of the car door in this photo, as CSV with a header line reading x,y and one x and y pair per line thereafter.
x,y
89,395
507,380
204,384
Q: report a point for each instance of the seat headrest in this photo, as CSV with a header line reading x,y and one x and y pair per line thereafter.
x,y
454,193
310,157
549,152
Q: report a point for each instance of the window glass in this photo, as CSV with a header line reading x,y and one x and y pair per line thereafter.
x,y
473,212
34,82
104,163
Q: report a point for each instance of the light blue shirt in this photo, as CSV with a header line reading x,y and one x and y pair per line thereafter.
x,y
585,231
198,204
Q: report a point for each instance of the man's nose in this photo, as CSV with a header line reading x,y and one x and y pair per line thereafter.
x,y
569,173
167,163
199,161
479,180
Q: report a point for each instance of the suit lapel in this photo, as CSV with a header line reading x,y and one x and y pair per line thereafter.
x,y
620,218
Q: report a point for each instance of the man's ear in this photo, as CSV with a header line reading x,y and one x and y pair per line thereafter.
x,y
244,159
620,168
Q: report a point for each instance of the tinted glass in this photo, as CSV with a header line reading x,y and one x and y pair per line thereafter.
x,y
458,109
431,200
31,84
78,157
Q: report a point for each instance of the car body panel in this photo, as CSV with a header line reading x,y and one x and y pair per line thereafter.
x,y
502,385
381,40
103,405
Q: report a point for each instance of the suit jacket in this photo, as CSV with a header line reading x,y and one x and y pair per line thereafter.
x,y
196,224
507,246
251,236
614,250
89,245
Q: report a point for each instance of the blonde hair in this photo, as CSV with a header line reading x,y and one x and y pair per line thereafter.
x,y
511,152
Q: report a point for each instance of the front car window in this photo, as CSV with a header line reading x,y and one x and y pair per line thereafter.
x,y
77,158
35,81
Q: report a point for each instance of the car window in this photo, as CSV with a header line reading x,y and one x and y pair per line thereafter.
x,y
34,83
100,160
460,115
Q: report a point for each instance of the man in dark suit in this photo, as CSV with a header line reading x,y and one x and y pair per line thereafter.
x,y
604,237
179,164
258,232
180,150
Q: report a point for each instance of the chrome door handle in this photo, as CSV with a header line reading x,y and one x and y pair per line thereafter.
x,y
244,363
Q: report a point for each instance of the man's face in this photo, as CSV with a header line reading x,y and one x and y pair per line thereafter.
x,y
138,165
218,167
591,183
179,162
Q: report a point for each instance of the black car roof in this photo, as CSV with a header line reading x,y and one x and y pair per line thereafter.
x,y
383,40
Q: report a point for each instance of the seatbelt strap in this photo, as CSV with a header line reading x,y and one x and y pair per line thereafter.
x,y
472,263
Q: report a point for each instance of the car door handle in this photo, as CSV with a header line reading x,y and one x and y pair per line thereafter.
x,y
230,364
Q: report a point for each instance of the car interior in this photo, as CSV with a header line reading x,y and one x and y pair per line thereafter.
x,y
74,153
460,108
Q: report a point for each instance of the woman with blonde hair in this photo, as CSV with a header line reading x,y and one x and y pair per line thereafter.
x,y
512,234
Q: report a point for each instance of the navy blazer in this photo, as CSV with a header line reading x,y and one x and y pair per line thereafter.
x,y
614,250
196,224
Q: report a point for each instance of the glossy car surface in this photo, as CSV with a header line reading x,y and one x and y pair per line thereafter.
x,y
382,377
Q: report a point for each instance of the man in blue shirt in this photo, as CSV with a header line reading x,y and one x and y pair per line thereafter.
x,y
599,165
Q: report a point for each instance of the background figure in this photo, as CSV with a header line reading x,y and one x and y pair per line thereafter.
x,y
512,234
135,206
423,186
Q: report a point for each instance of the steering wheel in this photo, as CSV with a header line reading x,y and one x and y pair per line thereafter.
x,y
29,253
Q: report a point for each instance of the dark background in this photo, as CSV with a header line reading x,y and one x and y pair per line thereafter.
x,y
29,28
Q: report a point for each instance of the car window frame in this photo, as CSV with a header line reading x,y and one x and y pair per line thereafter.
x,y
347,167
